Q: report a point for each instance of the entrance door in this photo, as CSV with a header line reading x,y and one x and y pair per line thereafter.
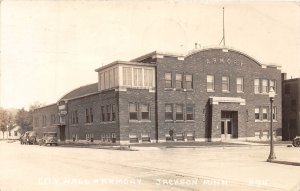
x,y
226,129
62,132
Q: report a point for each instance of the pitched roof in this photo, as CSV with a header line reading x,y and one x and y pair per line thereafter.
x,y
81,91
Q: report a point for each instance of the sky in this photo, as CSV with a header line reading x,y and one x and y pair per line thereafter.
x,y
49,48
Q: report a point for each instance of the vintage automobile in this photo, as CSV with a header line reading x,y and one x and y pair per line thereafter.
x,y
296,141
28,138
49,138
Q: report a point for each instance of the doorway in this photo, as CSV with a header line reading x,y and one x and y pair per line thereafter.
x,y
226,129
62,134
229,122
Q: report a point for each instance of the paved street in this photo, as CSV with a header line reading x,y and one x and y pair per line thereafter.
x,y
31,167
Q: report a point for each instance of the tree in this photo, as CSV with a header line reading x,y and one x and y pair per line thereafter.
x,y
6,120
24,119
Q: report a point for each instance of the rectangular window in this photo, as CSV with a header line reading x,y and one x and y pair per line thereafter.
x,y
257,113
52,119
179,84
225,83
44,121
240,84
106,80
190,112
148,78
274,113
116,76
179,112
103,113
265,113
108,111
113,112
137,77
273,85
168,112
133,111
111,78
16,133
145,111
168,80
87,117
102,86
210,83
76,117
256,86
189,81
91,115
265,88
127,77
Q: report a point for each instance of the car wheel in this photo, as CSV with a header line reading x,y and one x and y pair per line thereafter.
x,y
296,142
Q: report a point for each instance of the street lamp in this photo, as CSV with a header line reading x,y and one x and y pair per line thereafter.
x,y
272,154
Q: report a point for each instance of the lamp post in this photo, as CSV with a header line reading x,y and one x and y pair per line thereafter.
x,y
272,154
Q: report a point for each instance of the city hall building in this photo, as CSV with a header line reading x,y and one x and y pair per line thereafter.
x,y
213,94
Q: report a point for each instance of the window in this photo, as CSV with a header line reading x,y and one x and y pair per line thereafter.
x,y
103,113
111,78
225,83
52,119
274,113
9,133
256,86
293,105
265,113
87,117
15,133
106,80
36,121
240,84
190,112
189,81
179,84
116,76
168,112
91,115
179,112
44,121
108,111
148,78
265,86
133,111
257,113
137,77
145,111
273,85
210,83
127,76
168,80
102,81
113,112
74,117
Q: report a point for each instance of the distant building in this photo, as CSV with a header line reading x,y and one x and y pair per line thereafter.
x,y
290,108
13,134
208,95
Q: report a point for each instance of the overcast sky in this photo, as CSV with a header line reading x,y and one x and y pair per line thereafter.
x,y
51,47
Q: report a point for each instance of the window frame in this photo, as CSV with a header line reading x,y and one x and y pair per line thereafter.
x,y
141,111
135,112
212,83
188,112
264,88
189,83
179,113
241,85
168,81
255,113
179,81
226,82
257,88
170,113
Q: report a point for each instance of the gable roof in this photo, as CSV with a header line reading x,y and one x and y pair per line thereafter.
x,y
81,91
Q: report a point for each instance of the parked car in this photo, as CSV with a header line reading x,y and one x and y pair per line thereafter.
x,y
296,141
49,138
28,138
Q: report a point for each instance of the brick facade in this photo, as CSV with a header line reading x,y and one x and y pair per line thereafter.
x,y
198,110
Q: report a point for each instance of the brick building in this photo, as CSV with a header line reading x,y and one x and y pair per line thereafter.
x,y
290,108
208,95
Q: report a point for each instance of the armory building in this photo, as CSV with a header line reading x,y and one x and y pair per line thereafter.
x,y
208,95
